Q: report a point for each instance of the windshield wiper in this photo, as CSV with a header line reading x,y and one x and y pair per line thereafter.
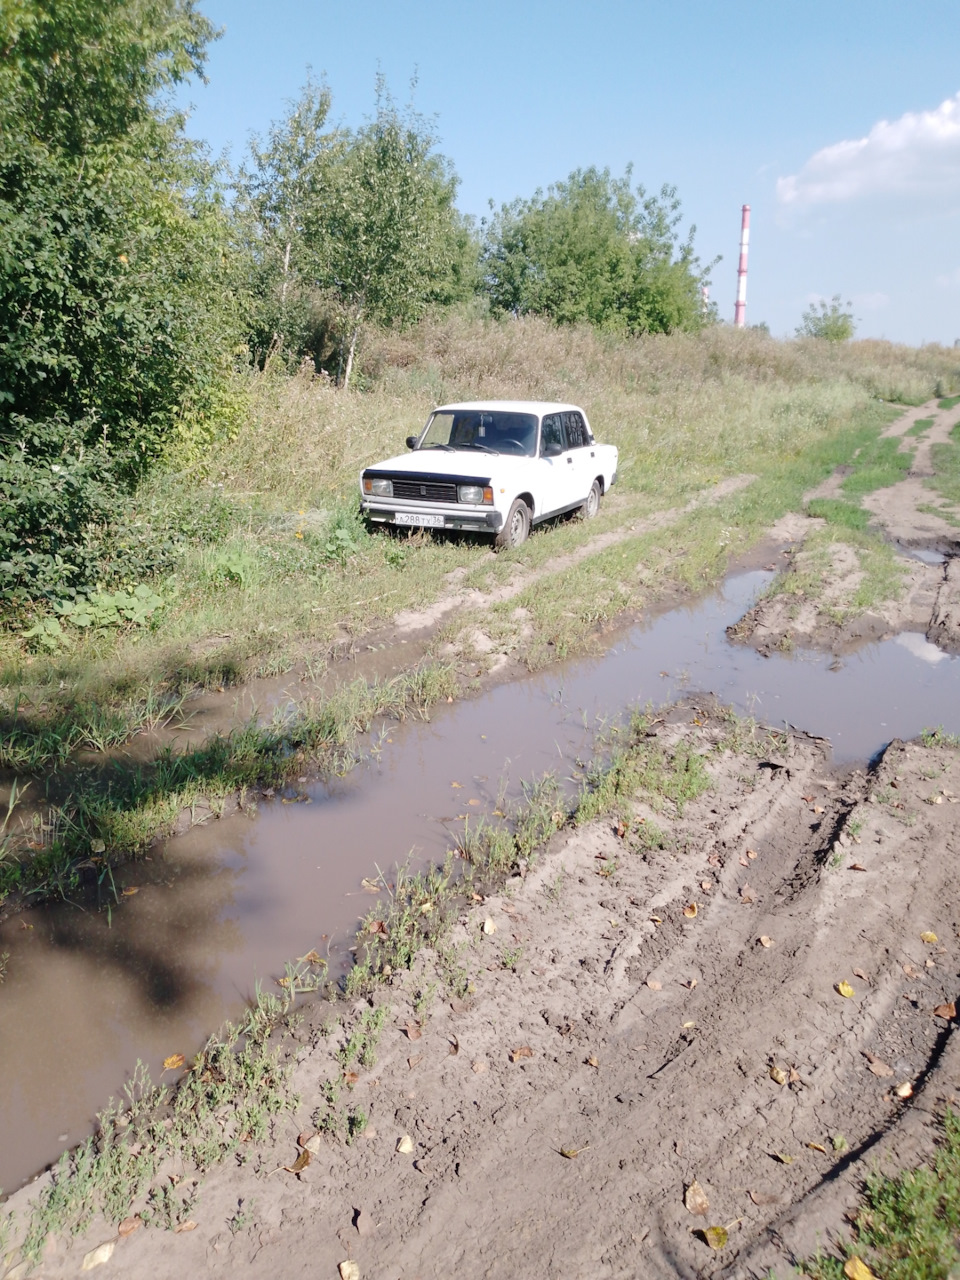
x,y
447,447
485,447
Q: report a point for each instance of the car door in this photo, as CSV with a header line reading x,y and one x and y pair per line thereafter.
x,y
580,453
559,483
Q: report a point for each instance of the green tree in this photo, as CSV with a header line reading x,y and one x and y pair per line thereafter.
x,y
827,320
282,196
115,326
594,249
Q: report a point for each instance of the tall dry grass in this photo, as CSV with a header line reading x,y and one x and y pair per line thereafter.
x,y
678,406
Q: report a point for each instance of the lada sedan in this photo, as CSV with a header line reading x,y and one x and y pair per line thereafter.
x,y
492,466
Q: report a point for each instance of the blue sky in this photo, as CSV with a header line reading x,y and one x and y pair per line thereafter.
x,y
731,102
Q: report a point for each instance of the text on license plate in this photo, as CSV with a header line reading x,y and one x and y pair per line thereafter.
x,y
415,517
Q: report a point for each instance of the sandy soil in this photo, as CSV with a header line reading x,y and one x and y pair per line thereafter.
x,y
907,514
558,1115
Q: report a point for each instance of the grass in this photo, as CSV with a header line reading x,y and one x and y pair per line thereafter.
x,y
921,426
909,1225
948,402
946,463
116,812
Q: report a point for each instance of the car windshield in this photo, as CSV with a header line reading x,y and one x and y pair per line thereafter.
x,y
487,430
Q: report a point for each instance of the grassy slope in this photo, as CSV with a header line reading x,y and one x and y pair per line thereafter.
x,y
273,565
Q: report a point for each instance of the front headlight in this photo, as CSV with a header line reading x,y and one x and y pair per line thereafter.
x,y
475,494
378,488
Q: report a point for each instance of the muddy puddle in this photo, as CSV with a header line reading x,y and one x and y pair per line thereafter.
x,y
87,994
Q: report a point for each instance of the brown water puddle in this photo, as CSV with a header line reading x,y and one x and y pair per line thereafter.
x,y
87,994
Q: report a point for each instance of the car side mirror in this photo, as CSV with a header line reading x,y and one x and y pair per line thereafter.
x,y
552,450
412,441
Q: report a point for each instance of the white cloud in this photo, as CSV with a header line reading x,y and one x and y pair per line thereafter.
x,y
917,154
949,281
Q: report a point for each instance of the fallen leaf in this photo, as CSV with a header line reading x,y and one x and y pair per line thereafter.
x,y
706,885
369,886
571,1153
473,802
479,1067
687,1026
426,908
856,1269
310,1141
405,1145
415,1061
713,860
379,926
716,1237
815,1146
653,920
778,1074
845,989
910,971
929,937
743,862
818,808
620,829
904,1090
413,1031
128,1226
764,1197
592,1062
794,1076
128,892
456,784
363,1221
858,973
350,1078
654,984
312,957
189,1225
876,1066
301,1162
752,853
746,894
765,941
948,1011
690,983
690,910
855,866
778,1155
454,1047
695,1199
807,799
349,1270
489,926
524,1051
174,1062
97,846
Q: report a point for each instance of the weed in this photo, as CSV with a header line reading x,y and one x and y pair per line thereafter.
x,y
909,1225
510,957
939,737
948,402
919,427
423,999
555,889
243,1219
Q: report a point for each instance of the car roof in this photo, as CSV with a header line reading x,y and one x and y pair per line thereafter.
x,y
539,407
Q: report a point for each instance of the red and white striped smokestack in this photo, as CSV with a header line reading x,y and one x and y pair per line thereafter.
x,y
739,316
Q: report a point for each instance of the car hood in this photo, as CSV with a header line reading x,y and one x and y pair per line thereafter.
x,y
467,463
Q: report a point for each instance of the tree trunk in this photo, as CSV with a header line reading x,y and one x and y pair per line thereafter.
x,y
350,354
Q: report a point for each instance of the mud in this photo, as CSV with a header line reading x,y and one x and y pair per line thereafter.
x,y
915,519
659,1045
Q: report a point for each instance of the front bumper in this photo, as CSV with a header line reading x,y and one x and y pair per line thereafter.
x,y
472,519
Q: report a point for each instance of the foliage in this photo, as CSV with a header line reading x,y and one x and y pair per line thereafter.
x,y
116,331
827,320
348,228
593,249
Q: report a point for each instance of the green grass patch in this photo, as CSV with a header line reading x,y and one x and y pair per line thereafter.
x,y
919,427
946,464
909,1225
948,402
879,465
843,515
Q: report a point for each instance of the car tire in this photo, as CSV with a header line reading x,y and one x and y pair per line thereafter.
x,y
516,527
592,504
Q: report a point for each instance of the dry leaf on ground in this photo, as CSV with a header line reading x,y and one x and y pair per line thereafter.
x,y
453,1046
571,1153
301,1162
928,936
405,1145
129,1225
858,973
746,894
778,1155
856,1269
765,941
489,926
778,1074
349,1270
845,989
695,1198
189,1225
102,1253
174,1062
478,1067
876,1066
369,886
764,1197
948,1011
415,1061
716,1237
413,1031
690,910
904,1090
817,1146
654,984
523,1051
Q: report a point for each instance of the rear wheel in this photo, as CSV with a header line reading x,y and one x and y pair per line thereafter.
x,y
592,504
515,529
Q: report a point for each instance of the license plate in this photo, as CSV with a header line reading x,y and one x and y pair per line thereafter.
x,y
415,517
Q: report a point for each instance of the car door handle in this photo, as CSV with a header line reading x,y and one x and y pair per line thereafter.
x,y
570,460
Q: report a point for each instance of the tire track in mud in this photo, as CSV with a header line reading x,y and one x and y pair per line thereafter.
x,y
652,1035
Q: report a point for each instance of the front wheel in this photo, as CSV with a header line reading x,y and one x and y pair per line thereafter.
x,y
592,504
515,529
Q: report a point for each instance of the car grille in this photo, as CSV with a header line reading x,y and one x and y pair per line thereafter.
x,y
424,490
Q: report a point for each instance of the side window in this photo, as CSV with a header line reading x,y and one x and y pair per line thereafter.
x,y
576,431
551,433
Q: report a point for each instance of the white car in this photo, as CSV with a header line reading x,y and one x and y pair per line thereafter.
x,y
492,466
